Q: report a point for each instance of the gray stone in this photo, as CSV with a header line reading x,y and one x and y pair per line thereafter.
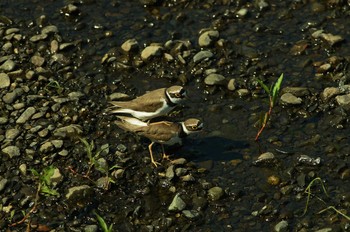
x,y
151,51
10,97
37,38
207,38
91,228
170,172
296,91
215,193
4,80
243,92
180,171
177,204
46,147
58,143
187,178
56,177
191,214
12,151
282,226
130,45
3,120
26,115
330,92
3,183
11,134
202,55
66,130
23,169
231,84
343,101
49,29
290,99
37,60
8,65
179,161
77,191
215,79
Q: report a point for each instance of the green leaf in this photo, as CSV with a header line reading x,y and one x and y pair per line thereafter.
x,y
49,191
35,172
102,223
47,173
267,90
276,88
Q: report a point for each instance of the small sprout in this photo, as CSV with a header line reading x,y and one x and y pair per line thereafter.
x,y
103,223
273,93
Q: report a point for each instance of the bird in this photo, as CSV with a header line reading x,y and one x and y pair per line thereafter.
x,y
153,104
162,132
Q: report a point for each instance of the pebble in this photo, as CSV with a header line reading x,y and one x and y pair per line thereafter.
x,y
215,193
131,45
49,29
343,101
3,120
10,97
151,51
290,99
57,143
191,214
207,38
11,151
56,177
282,226
46,147
3,183
8,65
37,38
231,84
305,159
11,134
77,192
177,204
169,174
91,228
243,92
23,169
179,161
26,115
66,130
330,92
214,79
37,60
202,55
264,158
4,80
296,91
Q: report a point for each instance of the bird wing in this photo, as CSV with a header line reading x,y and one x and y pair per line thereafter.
x,y
148,102
160,131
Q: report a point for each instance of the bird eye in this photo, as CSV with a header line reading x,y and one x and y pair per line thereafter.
x,y
177,95
194,127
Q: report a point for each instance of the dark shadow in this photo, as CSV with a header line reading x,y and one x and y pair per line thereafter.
x,y
210,148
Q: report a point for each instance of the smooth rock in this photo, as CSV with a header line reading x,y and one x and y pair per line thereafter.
x,y
191,214
56,177
231,84
49,29
3,120
330,92
243,92
290,99
4,80
130,45
10,97
296,91
177,204
282,226
66,130
202,55
214,79
91,228
46,147
11,134
343,101
77,192
170,172
37,38
12,151
8,65
37,60
26,115
215,193
208,38
3,183
151,51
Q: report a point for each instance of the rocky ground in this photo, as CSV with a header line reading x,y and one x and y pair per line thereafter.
x,y
63,160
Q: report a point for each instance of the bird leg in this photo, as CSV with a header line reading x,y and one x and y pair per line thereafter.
x,y
151,154
165,156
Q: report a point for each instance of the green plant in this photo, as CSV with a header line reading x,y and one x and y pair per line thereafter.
x,y
103,223
308,191
54,85
45,185
273,93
